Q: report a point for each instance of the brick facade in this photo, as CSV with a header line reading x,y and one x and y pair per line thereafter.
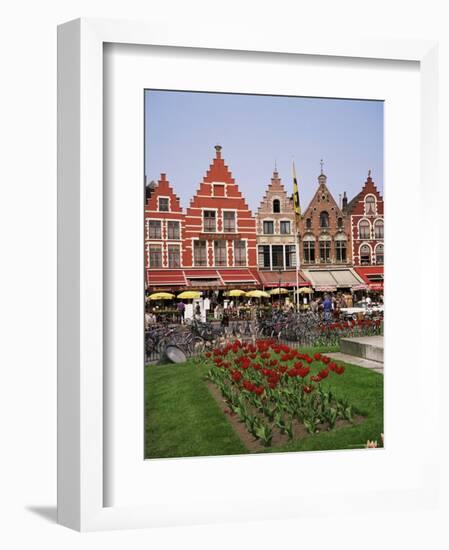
x,y
220,230
324,231
366,214
276,228
164,227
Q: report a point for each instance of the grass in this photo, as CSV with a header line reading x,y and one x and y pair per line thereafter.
x,y
183,419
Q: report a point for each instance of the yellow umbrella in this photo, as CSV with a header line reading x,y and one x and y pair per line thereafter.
x,y
257,294
189,294
235,292
305,290
278,291
161,296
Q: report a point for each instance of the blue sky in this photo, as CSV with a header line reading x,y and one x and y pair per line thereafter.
x,y
181,129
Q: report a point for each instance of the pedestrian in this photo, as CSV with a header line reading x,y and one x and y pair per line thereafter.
x,y
181,311
198,312
327,308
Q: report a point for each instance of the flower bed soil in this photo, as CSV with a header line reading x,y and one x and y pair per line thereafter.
x,y
279,439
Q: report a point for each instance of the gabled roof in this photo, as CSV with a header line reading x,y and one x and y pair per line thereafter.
x,y
322,188
163,189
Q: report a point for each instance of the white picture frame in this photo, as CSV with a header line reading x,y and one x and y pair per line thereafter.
x,y
81,487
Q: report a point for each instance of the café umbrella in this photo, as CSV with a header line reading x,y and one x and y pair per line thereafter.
x,y
257,294
161,296
305,290
189,295
235,293
276,291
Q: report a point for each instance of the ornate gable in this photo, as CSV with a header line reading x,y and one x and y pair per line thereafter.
x,y
356,206
163,189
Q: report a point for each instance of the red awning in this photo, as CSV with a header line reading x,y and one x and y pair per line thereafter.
x,y
230,276
288,278
166,277
373,275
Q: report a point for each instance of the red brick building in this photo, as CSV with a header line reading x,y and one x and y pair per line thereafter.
x,y
366,214
325,234
164,226
219,235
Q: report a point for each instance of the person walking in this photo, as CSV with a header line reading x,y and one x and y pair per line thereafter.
x,y
181,311
327,308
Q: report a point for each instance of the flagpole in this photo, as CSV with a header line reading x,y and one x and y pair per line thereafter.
x,y
297,209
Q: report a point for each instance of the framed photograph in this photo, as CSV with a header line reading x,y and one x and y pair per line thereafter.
x,y
231,230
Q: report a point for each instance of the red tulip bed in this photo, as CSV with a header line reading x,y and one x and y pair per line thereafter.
x,y
276,392
330,333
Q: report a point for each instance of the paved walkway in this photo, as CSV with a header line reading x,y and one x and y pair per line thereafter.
x,y
359,361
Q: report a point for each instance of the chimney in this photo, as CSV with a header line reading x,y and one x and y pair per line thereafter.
x,y
218,151
345,202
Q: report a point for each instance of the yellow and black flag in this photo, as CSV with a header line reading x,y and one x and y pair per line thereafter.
x,y
296,204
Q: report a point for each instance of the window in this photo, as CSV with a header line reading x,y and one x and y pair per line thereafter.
x,y
220,253
276,206
365,255
268,228
163,204
290,255
155,256
364,229
174,257
219,190
172,230
209,218
277,255
340,251
380,254
325,252
308,223
324,219
154,229
228,222
264,256
379,229
309,252
200,253
239,253
285,228
370,206
340,223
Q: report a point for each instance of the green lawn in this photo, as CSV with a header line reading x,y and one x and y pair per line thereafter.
x,y
183,419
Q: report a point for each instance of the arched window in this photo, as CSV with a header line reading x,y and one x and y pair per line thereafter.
x,y
340,223
370,205
380,254
276,206
308,223
365,254
379,229
364,229
324,219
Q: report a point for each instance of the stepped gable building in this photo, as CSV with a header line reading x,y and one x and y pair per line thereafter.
x,y
220,233
164,223
325,237
277,237
366,214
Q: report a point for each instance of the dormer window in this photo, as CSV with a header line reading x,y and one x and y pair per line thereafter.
x,y
276,206
163,204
